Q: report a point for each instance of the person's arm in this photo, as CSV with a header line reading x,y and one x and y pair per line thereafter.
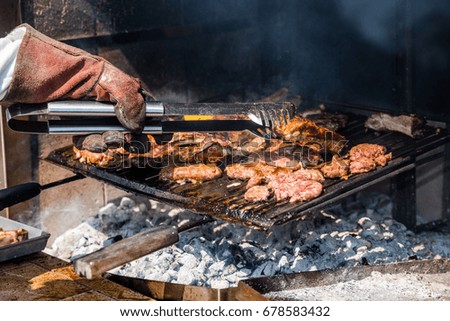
x,y
46,70
9,48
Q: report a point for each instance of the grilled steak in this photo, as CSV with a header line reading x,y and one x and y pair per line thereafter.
x,y
257,194
411,125
192,173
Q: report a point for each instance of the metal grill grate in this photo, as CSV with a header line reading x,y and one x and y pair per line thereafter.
x,y
221,198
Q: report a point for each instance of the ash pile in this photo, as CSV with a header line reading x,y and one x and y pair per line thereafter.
x,y
359,231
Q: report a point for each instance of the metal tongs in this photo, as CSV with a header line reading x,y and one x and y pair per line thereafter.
x,y
74,117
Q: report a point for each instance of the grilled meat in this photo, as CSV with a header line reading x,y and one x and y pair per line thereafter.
x,y
192,173
338,167
323,119
382,160
241,171
366,157
284,182
110,158
305,190
274,159
289,187
366,150
245,143
257,194
411,125
362,165
307,133
308,142
303,155
12,236
308,174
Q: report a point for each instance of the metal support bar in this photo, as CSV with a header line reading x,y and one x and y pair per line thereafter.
x,y
446,187
404,187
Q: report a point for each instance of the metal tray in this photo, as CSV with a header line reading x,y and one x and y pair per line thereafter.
x,y
36,242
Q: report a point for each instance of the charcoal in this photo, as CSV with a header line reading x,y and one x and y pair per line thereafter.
x,y
270,268
219,254
185,276
219,284
216,267
126,203
188,261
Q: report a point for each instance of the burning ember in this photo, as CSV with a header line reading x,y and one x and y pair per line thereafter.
x,y
359,231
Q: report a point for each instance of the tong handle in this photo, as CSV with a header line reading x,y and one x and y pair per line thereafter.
x,y
85,108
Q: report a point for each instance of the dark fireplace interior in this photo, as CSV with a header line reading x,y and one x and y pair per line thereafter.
x,y
349,55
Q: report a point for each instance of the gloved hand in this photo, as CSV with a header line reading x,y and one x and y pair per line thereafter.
x,y
48,70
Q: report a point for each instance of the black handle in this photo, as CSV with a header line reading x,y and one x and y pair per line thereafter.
x,y
18,193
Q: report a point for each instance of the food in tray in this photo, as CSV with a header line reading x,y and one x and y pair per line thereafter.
x,y
411,125
12,236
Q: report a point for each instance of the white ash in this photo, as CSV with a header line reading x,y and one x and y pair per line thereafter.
x,y
219,254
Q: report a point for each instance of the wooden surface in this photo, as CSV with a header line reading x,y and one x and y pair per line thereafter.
x,y
40,277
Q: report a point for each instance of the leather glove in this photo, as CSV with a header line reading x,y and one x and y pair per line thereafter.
x,y
48,70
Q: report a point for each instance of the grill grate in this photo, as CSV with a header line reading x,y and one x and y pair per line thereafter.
x,y
224,199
